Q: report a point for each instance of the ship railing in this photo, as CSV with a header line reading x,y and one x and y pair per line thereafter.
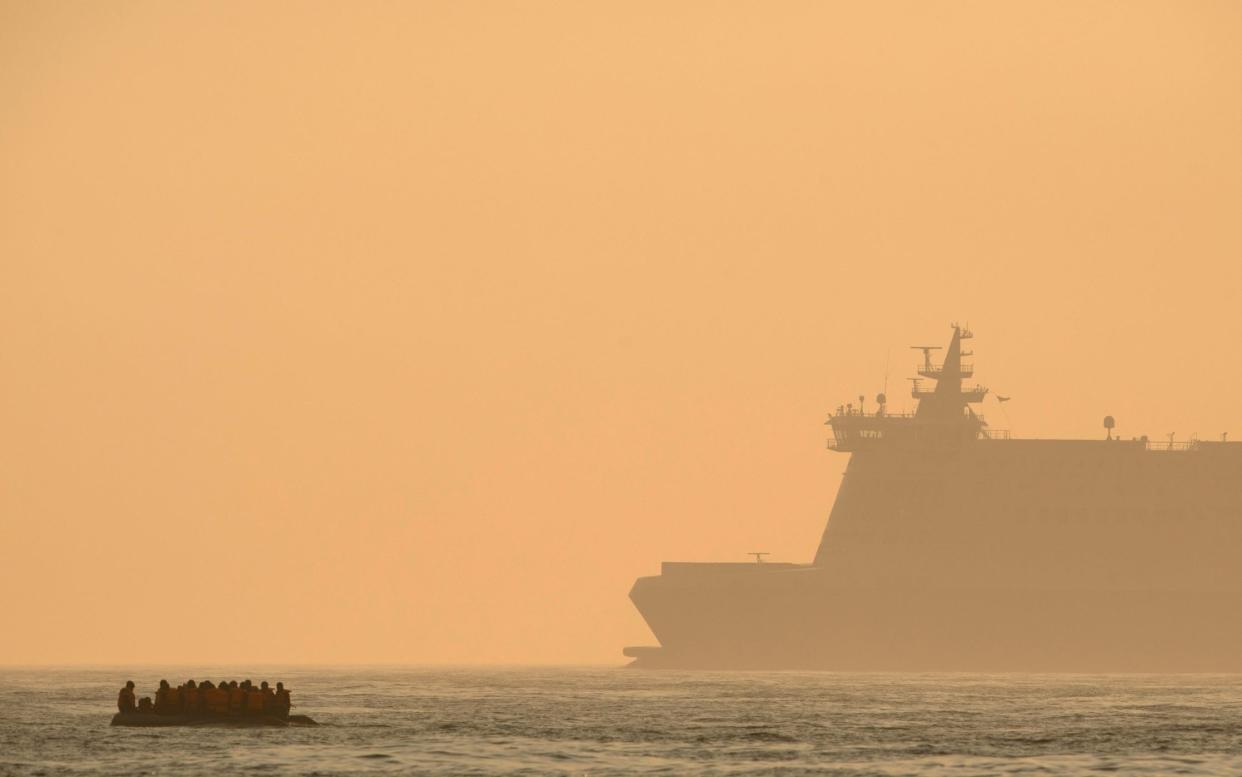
x,y
976,393
994,434
855,413
1171,445
968,369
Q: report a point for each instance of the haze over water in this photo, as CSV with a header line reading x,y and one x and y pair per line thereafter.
x,y
414,332
457,721
431,326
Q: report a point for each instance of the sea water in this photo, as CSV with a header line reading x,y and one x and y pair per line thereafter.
x,y
601,721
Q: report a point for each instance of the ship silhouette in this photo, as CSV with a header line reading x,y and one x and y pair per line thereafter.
x,y
953,547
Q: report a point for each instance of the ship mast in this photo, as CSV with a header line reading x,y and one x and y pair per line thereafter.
x,y
943,415
948,400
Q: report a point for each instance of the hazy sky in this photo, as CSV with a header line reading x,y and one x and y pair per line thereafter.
x,y
416,331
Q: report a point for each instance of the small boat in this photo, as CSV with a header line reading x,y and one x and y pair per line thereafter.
x,y
151,719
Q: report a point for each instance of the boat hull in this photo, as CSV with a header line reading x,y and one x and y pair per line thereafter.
x,y
152,720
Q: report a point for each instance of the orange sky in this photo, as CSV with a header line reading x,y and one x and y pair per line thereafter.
x,y
414,332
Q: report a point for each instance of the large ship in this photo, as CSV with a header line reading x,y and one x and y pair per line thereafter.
x,y
953,547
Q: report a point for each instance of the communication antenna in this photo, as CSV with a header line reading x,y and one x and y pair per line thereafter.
x,y
1109,425
888,361
758,555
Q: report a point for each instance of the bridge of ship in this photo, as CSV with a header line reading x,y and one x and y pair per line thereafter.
x,y
944,411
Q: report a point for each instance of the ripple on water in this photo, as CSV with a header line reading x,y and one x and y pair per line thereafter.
x,y
615,722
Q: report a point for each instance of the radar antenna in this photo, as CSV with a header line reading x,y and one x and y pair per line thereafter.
x,y
758,555
926,349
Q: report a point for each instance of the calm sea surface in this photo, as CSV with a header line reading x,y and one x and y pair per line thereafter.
x,y
614,721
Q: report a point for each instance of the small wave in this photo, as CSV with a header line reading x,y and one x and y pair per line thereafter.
x,y
770,736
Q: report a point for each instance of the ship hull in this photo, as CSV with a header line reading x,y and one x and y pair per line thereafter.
x,y
1040,555
803,624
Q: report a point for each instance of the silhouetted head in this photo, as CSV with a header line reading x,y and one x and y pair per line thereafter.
x,y
280,686
190,684
263,685
206,684
129,684
163,683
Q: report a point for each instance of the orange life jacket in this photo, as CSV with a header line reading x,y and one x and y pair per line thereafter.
x,y
254,701
237,699
191,698
174,698
217,701
125,700
282,698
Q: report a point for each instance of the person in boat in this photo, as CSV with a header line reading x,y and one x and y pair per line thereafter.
x,y
125,701
269,697
254,700
237,699
145,706
216,699
203,687
163,702
282,702
190,698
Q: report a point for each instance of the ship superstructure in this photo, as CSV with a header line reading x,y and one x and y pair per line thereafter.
x,y
944,414
952,546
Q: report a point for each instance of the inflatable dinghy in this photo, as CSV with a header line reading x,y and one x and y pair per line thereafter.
x,y
256,721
